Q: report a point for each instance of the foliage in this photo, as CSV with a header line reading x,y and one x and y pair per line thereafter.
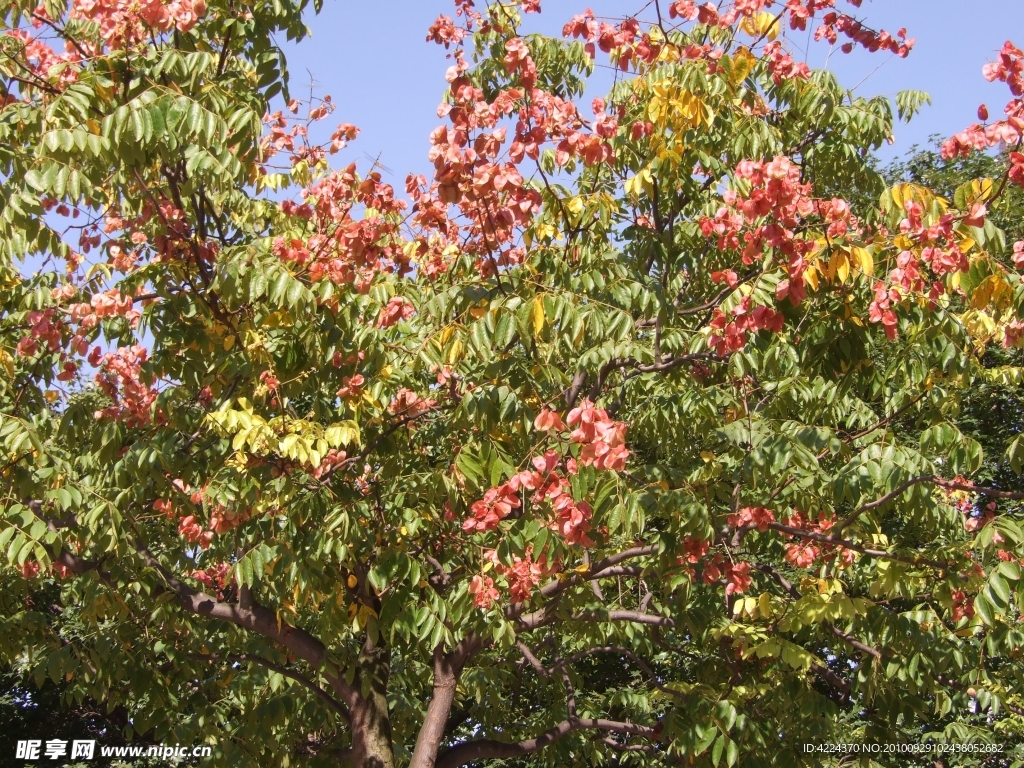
x,y
28,711
640,438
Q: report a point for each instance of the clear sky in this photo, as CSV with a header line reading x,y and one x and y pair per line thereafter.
x,y
373,59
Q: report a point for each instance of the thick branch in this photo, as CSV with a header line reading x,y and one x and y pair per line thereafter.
x,y
447,668
556,586
697,309
814,536
617,649
950,485
855,642
544,616
255,618
485,749
331,702
834,681
618,570
883,500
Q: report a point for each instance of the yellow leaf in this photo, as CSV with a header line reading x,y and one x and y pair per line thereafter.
x,y
544,231
655,109
669,54
981,189
966,244
229,342
839,266
742,63
575,205
7,362
979,325
455,351
811,276
537,317
633,186
342,433
446,333
897,196
768,25
749,25
993,291
642,181
863,259
707,114
707,456
764,605
52,395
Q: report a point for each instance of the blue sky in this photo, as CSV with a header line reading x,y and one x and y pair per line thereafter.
x,y
373,59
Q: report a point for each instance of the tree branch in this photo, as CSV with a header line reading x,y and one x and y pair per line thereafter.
x,y
447,669
544,616
255,618
243,658
814,536
485,749
879,502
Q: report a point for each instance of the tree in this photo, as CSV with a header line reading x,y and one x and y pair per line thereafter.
x,y
630,439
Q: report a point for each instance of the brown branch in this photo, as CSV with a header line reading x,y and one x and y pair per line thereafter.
x,y
256,618
626,554
543,617
994,493
331,702
879,502
697,309
485,749
572,392
835,681
447,669
814,536
645,748
531,657
618,570
855,642
557,586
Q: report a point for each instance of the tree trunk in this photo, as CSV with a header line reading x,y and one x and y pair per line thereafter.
x,y
447,668
371,723
429,739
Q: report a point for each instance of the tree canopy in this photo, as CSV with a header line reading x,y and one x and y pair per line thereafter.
x,y
666,430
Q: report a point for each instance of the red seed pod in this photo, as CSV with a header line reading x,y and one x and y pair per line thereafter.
x,y
983,113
